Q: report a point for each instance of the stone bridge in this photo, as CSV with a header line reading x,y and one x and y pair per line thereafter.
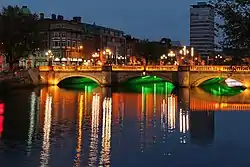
x,y
182,76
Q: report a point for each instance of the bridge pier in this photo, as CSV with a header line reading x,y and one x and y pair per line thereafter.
x,y
183,76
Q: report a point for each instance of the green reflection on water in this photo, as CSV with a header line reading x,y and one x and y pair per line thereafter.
x,y
217,87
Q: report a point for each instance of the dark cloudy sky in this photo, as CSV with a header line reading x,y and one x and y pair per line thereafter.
x,y
151,19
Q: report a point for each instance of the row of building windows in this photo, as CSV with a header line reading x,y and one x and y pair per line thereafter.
x,y
57,43
64,35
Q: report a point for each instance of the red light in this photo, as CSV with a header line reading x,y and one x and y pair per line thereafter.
x,y
1,108
1,124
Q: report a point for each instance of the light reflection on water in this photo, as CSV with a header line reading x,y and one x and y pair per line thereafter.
x,y
107,128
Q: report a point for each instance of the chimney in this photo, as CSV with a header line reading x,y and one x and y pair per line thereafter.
x,y
41,16
53,17
77,19
60,17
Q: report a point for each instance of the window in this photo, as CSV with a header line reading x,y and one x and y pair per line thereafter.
x,y
63,43
74,44
69,43
63,34
56,43
56,35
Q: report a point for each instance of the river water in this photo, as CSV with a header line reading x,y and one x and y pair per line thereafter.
x,y
95,126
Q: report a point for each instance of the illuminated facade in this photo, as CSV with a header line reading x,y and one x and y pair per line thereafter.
x,y
61,36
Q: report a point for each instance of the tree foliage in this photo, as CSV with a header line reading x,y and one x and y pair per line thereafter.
x,y
152,50
235,26
18,32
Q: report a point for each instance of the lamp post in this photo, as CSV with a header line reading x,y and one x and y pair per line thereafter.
x,y
95,56
163,58
108,53
171,55
50,57
184,51
218,59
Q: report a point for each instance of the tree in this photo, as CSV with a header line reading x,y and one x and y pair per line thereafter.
x,y
18,32
235,16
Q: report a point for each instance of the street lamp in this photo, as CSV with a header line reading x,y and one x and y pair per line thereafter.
x,y
108,53
171,55
163,58
50,57
218,58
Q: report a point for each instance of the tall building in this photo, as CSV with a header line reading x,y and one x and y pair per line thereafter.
x,y
202,35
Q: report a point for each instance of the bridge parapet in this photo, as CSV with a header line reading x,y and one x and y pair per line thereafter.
x,y
161,68
220,68
127,68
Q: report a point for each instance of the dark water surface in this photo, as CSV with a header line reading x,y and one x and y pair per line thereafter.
x,y
53,127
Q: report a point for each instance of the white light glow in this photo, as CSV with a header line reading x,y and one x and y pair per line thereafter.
x,y
32,120
232,83
106,131
44,157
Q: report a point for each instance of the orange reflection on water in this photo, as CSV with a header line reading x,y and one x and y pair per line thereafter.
x,y
203,101
77,159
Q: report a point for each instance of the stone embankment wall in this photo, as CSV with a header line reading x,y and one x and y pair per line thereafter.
x,y
21,79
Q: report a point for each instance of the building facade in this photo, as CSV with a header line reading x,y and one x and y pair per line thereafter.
x,y
107,38
75,39
62,37
202,35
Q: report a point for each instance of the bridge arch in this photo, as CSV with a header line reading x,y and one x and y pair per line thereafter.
x,y
202,79
61,78
125,78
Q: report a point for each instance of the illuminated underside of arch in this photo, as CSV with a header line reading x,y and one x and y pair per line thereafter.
x,y
144,80
223,87
77,83
148,84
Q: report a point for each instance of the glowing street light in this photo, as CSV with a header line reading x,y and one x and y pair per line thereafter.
x,y
192,52
171,54
164,56
50,56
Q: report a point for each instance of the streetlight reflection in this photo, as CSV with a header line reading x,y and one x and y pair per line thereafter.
x,y
106,132
93,154
44,157
32,120
79,134
184,125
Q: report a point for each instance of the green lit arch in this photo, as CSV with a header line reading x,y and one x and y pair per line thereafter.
x,y
130,77
59,80
203,79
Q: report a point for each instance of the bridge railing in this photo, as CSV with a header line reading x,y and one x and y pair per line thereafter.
x,y
220,68
89,68
64,68
45,68
162,68
127,68
145,68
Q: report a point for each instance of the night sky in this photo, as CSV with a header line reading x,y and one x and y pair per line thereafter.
x,y
150,19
